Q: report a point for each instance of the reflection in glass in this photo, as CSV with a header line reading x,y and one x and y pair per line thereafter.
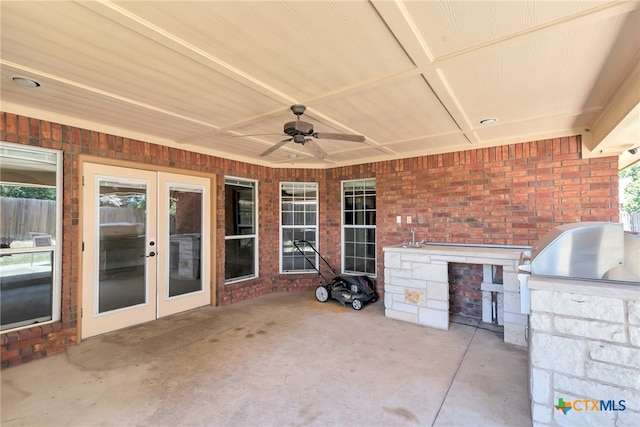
x,y
185,213
240,229
359,221
29,195
26,289
122,250
239,257
239,210
299,221
292,259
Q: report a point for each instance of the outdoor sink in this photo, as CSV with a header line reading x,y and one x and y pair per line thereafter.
x,y
412,245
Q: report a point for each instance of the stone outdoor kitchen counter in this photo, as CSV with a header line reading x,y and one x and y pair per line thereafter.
x,y
584,336
584,345
417,285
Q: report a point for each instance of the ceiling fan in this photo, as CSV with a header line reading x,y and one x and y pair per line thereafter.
x,y
303,133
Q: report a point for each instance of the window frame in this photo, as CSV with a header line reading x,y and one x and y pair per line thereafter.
x,y
344,226
253,184
56,250
282,227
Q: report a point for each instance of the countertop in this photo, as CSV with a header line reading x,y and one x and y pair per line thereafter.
x,y
484,251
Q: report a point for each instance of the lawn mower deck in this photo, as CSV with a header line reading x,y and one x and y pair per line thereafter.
x,y
355,290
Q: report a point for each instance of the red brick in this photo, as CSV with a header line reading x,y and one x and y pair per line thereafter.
x,y
6,355
24,343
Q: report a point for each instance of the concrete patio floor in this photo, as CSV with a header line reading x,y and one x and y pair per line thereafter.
x,y
277,360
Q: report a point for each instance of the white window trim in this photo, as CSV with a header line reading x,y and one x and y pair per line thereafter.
x,y
281,228
343,225
256,256
56,291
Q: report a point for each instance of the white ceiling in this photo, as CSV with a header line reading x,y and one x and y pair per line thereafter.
x,y
413,77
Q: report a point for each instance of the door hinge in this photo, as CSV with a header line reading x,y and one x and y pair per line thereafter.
x,y
81,312
82,246
83,180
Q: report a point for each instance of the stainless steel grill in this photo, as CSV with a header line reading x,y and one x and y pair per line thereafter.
x,y
588,250
582,250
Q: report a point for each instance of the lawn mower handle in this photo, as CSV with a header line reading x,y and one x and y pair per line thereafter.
x,y
295,243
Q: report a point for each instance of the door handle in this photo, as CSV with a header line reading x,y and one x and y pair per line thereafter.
x,y
151,254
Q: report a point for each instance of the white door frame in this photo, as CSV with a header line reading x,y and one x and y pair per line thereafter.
x,y
157,302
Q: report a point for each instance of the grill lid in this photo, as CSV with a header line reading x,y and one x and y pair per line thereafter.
x,y
588,250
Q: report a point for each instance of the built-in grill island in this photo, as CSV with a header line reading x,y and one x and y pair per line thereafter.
x,y
582,250
580,286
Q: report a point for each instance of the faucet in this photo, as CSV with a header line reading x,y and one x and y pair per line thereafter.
x,y
413,242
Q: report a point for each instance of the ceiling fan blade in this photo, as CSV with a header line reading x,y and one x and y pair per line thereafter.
x,y
340,136
275,147
315,149
255,134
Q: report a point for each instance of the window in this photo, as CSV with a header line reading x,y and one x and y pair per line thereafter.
x,y
359,226
30,230
241,229
298,221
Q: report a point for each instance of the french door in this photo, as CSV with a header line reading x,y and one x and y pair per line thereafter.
x,y
146,239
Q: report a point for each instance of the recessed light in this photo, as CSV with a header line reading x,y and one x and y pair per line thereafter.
x,y
25,81
488,121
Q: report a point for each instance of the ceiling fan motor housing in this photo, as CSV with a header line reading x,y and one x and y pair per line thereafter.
x,y
298,127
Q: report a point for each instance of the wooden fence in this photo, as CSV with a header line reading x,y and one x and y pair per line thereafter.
x,y
110,214
19,217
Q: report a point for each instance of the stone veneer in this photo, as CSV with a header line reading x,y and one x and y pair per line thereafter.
x,y
416,284
585,345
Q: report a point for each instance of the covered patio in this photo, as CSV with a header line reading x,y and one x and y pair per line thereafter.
x,y
280,359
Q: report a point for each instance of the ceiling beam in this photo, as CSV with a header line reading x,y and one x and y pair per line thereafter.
x,y
623,107
400,22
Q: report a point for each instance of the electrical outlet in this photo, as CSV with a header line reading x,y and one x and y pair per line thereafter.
x,y
399,219
408,220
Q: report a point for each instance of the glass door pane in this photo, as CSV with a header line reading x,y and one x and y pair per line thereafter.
x,y
185,231
122,245
184,242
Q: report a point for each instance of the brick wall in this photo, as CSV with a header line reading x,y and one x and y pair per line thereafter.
x,y
503,195
188,215
465,295
508,195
